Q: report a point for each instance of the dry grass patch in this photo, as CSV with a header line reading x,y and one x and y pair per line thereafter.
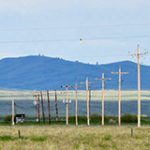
x,y
74,138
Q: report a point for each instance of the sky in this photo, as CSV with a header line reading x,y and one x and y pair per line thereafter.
x,y
110,29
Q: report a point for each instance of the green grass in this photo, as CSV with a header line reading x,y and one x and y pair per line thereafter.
x,y
126,119
7,138
107,138
38,138
72,138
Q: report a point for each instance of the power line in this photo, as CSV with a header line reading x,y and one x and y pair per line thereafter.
x,y
39,41
72,27
116,37
75,39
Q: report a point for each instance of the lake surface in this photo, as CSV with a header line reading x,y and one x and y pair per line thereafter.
x,y
28,107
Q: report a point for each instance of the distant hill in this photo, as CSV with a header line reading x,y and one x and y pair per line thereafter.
x,y
42,73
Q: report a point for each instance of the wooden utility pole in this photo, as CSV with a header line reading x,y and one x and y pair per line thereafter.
x,y
13,113
90,96
66,102
86,83
42,104
49,109
103,79
36,106
139,86
38,110
76,103
119,73
56,105
103,106
87,101
138,55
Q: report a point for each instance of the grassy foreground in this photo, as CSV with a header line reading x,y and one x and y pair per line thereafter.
x,y
71,138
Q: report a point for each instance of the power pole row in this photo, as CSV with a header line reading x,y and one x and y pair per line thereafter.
x,y
39,97
88,97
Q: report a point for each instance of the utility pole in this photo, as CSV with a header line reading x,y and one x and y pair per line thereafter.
x,y
42,104
38,110
56,105
90,96
66,101
119,73
13,113
87,100
76,103
139,86
67,118
103,79
49,113
36,106
138,54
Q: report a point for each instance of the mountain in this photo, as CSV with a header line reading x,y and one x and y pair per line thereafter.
x,y
42,73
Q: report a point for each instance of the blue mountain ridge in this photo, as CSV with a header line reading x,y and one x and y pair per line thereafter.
x,y
43,73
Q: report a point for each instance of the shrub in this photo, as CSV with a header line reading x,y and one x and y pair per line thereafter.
x,y
7,138
128,118
7,118
110,119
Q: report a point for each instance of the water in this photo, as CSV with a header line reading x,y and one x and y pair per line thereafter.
x,y
111,107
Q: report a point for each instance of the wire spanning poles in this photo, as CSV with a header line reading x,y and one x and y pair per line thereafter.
x,y
138,54
119,73
103,79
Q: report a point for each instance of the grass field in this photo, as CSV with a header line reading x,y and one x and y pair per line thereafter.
x,y
74,138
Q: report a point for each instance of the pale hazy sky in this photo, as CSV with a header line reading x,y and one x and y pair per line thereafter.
x,y
110,28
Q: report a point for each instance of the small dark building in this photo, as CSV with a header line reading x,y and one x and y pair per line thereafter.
x,y
19,118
